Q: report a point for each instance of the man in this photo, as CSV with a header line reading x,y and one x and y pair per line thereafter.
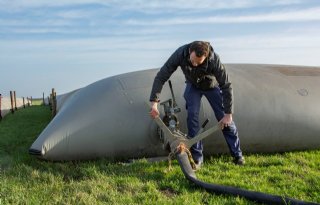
x,y
205,75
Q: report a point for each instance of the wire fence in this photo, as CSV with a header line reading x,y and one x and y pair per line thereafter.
x,y
12,103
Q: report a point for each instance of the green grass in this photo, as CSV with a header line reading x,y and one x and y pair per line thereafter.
x,y
27,180
37,102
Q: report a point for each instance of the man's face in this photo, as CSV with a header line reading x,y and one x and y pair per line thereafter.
x,y
195,60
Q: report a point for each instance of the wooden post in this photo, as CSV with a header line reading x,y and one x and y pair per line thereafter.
x,y
11,99
24,106
54,103
0,108
15,100
28,101
43,99
49,102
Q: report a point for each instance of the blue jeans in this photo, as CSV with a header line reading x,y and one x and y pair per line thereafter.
x,y
193,97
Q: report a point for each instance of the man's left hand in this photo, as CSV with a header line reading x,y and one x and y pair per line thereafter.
x,y
225,121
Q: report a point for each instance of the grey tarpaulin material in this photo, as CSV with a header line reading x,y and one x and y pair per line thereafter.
x,y
61,99
276,110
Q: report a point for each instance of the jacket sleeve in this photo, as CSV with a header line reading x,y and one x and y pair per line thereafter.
x,y
225,85
164,74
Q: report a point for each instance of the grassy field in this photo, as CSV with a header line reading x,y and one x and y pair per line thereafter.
x,y
37,101
27,180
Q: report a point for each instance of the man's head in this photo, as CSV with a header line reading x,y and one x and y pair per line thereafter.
x,y
199,51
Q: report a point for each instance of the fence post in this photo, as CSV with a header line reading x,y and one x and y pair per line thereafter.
x,y
54,102
11,99
15,100
50,101
24,106
43,99
0,108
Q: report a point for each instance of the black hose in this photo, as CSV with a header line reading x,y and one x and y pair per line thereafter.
x,y
220,189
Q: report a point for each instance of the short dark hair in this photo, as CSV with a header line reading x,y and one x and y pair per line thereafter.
x,y
201,48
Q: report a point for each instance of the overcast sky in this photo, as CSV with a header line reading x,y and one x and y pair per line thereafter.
x,y
69,44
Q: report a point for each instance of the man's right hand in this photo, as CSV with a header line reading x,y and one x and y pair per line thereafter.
x,y
154,112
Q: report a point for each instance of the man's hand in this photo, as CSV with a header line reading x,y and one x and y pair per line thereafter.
x,y
225,121
154,112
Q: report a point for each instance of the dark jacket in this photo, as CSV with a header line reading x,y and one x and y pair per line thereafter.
x,y
205,76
